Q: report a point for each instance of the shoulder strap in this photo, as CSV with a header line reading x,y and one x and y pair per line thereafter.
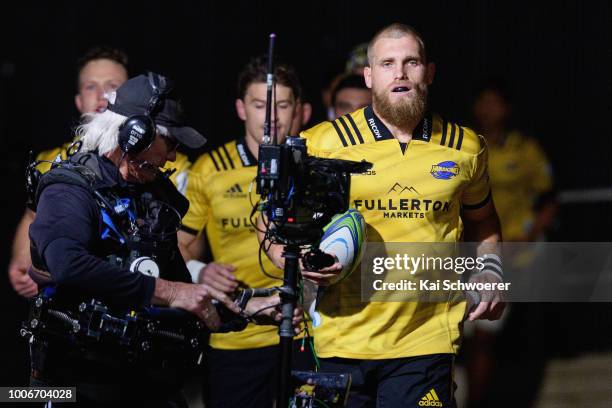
x,y
82,170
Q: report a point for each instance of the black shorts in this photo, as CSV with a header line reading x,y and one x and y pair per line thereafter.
x,y
248,378
423,381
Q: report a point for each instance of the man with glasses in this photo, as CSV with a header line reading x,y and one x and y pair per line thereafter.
x,y
101,70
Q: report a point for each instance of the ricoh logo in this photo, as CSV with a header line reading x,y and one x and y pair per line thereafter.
x,y
374,128
425,129
243,155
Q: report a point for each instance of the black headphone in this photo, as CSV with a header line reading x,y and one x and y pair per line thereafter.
x,y
137,132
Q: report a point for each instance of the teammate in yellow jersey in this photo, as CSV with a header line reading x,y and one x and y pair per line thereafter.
x,y
350,94
100,70
522,183
429,177
240,367
521,175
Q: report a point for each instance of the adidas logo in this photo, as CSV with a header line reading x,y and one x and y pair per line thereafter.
x,y
234,192
235,189
430,400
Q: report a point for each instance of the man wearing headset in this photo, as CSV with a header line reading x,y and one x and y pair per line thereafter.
x,y
78,244
101,70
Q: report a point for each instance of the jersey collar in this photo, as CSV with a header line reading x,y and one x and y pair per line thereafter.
x,y
381,132
244,153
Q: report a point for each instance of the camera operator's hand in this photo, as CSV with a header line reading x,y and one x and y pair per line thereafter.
x,y
324,276
20,280
219,276
194,298
267,311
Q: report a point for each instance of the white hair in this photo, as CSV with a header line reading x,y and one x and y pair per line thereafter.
x,y
100,131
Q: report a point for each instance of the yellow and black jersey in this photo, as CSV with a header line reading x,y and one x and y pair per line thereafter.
x,y
52,155
179,177
218,192
520,172
181,166
413,193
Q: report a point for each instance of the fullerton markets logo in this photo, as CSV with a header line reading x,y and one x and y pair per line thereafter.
x,y
399,189
445,170
404,206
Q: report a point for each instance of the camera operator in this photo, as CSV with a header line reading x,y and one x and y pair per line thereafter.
x,y
100,70
401,354
79,244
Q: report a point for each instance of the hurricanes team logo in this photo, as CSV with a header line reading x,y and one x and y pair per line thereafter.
x,y
445,170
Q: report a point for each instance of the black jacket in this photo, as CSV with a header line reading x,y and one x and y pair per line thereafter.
x,y
67,238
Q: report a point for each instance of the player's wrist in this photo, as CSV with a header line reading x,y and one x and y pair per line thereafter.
x,y
491,264
195,268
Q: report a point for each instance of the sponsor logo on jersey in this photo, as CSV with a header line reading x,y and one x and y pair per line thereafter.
x,y
430,400
236,222
365,173
374,128
425,129
445,170
394,207
399,189
234,191
243,154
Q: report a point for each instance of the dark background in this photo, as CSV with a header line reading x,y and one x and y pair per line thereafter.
x,y
556,57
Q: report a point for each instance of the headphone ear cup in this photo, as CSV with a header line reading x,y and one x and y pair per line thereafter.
x,y
136,134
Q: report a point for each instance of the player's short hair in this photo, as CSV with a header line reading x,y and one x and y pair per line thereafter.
x,y
396,30
498,85
349,81
99,52
256,71
102,52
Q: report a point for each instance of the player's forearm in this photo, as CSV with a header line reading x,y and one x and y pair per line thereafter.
x,y
273,251
544,219
189,246
486,231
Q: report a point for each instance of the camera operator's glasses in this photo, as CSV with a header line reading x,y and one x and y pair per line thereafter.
x,y
171,143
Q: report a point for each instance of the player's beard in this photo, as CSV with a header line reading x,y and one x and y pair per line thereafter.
x,y
405,113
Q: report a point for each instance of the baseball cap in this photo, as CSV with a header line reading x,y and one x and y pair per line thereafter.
x,y
135,96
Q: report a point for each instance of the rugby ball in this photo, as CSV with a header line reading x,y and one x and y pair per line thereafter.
x,y
344,237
